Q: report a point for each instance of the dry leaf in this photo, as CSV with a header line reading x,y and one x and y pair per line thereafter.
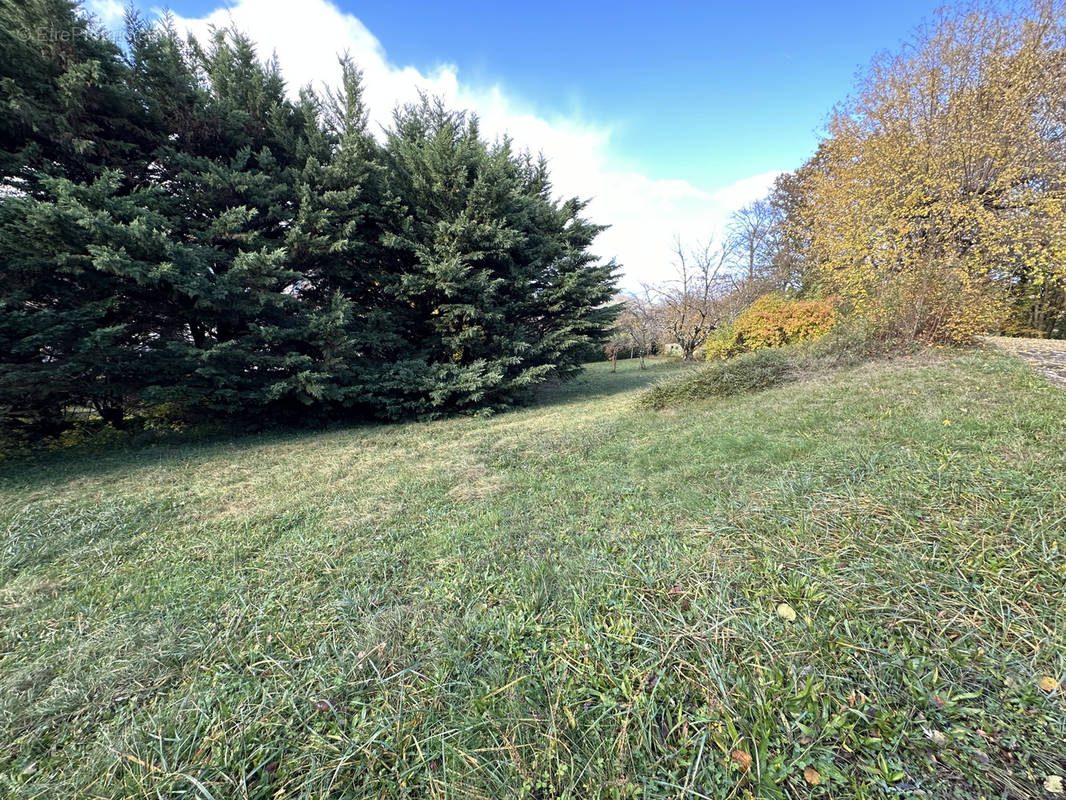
x,y
741,759
1047,683
786,612
936,737
1053,784
812,776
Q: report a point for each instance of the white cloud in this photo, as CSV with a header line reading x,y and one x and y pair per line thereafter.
x,y
645,214
109,13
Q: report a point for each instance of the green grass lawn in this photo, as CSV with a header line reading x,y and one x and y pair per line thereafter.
x,y
580,598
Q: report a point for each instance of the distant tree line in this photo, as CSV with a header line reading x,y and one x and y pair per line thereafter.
x,y
711,284
177,232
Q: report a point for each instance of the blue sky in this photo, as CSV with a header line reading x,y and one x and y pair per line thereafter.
x,y
665,116
713,92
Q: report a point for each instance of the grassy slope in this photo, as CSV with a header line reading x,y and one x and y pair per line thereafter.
x,y
578,597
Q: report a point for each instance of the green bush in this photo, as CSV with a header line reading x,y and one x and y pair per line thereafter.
x,y
720,345
850,342
747,373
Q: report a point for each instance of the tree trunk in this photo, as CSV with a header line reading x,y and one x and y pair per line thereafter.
x,y
197,333
112,414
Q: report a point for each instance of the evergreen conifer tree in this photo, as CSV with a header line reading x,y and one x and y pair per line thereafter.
x,y
76,322
491,280
174,227
228,174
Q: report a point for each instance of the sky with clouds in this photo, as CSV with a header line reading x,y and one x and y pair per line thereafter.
x,y
667,118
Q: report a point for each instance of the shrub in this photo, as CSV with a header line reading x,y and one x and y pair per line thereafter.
x,y
851,341
746,373
721,344
942,306
772,321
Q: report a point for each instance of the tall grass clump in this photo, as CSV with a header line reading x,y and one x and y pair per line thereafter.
x,y
750,372
851,342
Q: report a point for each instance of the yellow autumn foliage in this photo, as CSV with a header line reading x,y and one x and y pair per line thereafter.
x,y
937,203
772,320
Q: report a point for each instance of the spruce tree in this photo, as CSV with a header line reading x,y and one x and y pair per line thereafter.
x,y
174,227
491,280
76,322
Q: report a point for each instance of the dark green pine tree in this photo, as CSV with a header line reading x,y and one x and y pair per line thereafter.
x,y
229,177
492,285
569,307
78,326
173,227
335,244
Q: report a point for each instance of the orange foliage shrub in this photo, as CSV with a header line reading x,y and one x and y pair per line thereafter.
x,y
773,321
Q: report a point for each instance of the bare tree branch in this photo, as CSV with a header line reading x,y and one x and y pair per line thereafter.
x,y
694,301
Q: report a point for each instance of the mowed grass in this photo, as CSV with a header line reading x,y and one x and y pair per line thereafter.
x,y
577,599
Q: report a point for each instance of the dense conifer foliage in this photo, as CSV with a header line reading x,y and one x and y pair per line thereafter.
x,y
176,229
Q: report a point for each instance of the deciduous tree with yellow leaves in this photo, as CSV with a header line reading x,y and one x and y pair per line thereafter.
x,y
936,205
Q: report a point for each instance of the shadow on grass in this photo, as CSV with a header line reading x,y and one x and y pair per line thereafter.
x,y
89,460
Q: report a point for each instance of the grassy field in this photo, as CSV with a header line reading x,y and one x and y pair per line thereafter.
x,y
577,599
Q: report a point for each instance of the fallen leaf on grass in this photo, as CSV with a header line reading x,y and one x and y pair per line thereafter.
x,y
855,699
936,737
1053,784
812,776
741,759
679,591
1047,683
786,612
